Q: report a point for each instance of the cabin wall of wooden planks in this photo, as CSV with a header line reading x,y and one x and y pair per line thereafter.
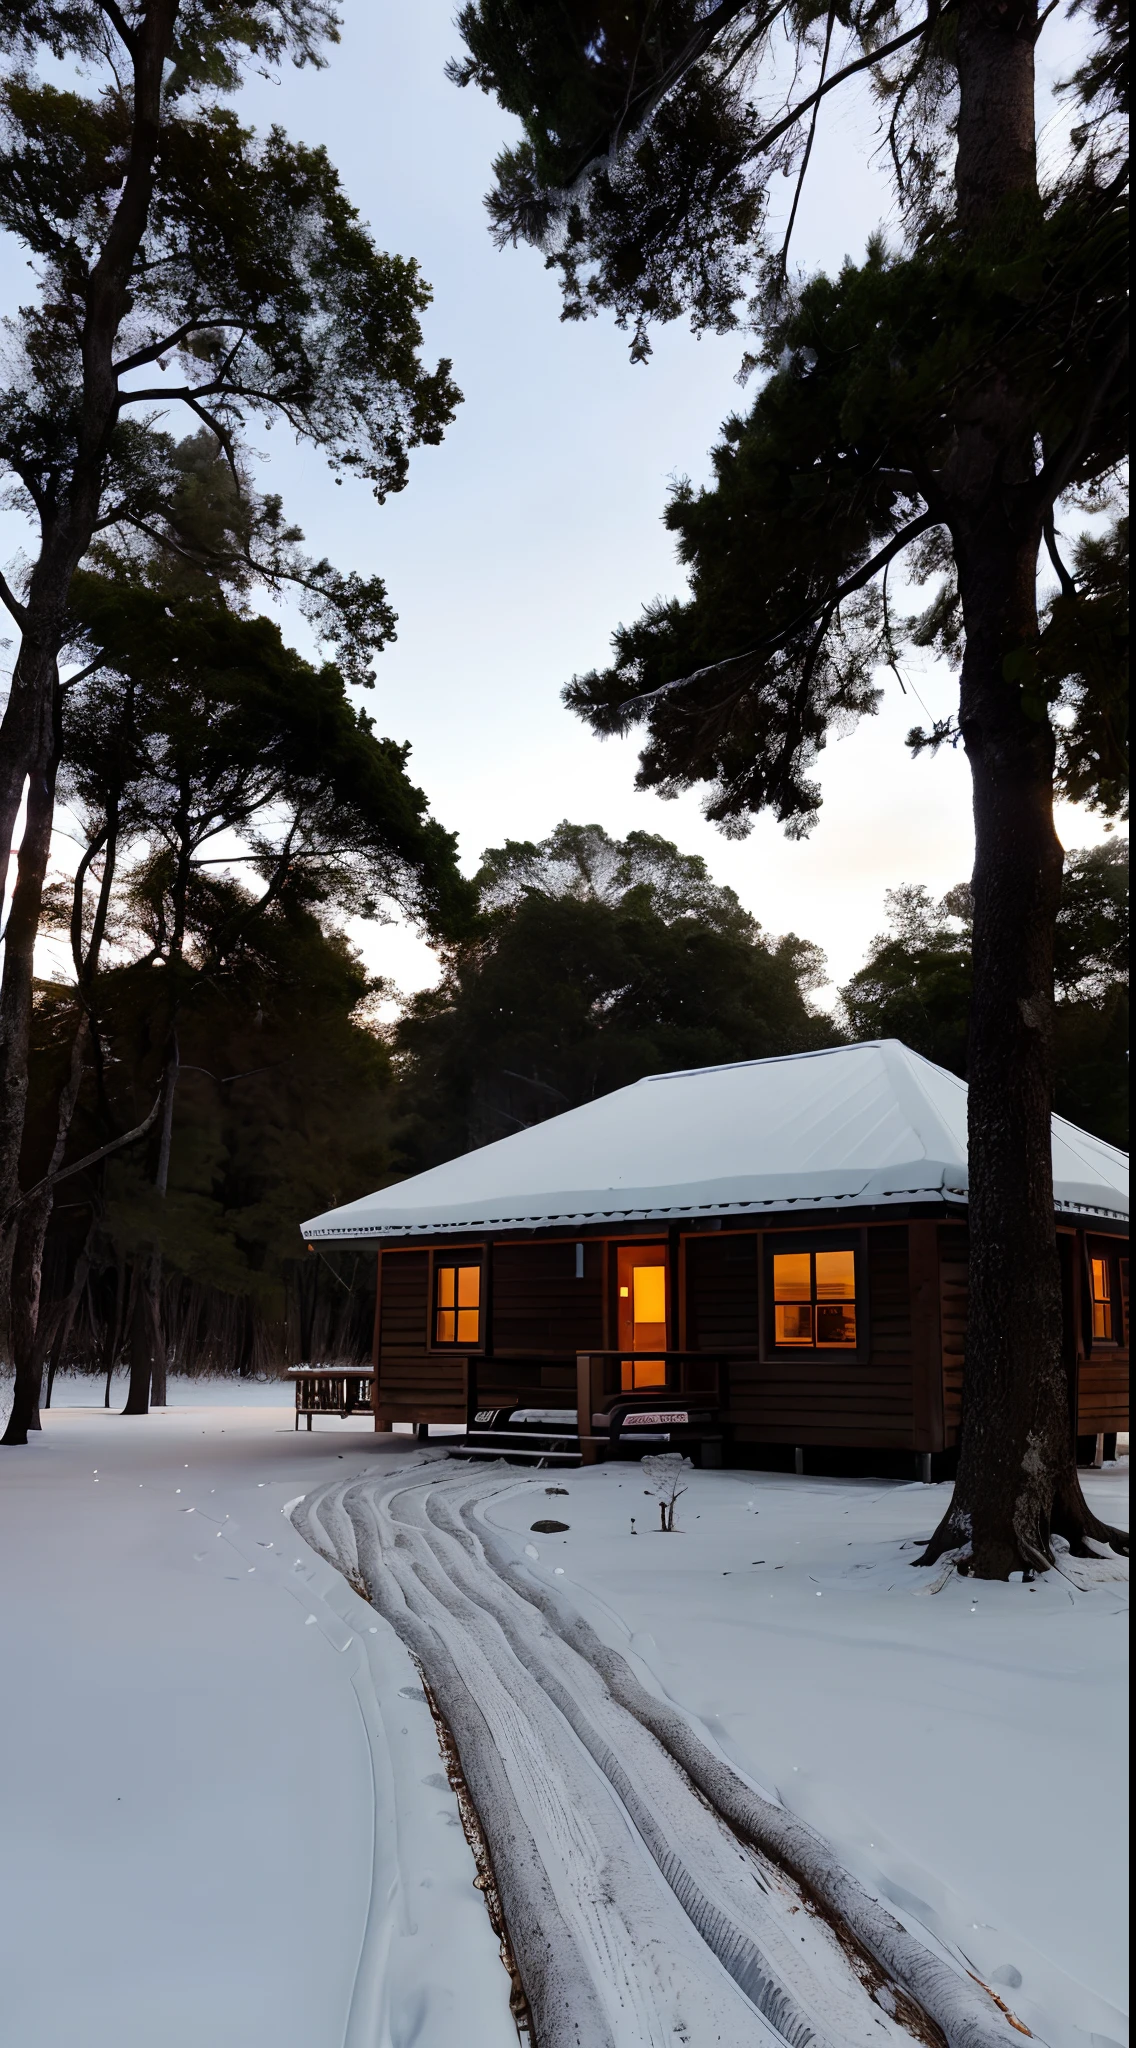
x,y
808,1398
1101,1369
954,1257
903,1390
539,1305
414,1384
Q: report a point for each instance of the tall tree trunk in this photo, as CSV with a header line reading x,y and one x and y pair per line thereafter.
x,y
161,1184
27,1269
53,1331
29,1343
26,749
141,1339
112,1340
1017,1482
147,1340
19,1304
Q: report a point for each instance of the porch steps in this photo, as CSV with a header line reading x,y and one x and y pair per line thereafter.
x,y
527,1437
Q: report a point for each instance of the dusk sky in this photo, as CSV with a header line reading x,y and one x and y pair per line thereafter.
x,y
536,526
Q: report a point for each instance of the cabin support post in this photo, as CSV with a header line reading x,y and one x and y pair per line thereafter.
x,y
377,1344
1075,1351
588,1387
926,1339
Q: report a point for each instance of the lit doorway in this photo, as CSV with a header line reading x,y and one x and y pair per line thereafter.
x,y
643,1313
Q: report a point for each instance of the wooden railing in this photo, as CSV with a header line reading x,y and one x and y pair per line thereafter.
x,y
690,1378
696,1378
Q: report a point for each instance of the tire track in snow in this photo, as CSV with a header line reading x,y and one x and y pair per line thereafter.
x,y
638,1918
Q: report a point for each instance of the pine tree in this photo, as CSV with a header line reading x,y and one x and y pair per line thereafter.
x,y
186,726
184,265
942,401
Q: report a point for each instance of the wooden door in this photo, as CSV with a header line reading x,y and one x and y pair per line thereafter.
x,y
643,1312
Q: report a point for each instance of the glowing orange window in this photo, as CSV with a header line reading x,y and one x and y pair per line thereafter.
x,y
642,1313
457,1304
814,1301
1102,1298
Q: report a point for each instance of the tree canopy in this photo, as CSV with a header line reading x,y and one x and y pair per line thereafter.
x,y
916,985
230,730
597,961
249,286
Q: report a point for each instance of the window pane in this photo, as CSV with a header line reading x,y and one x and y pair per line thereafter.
x,y
1102,1291
794,1325
792,1277
836,1276
469,1286
836,1326
650,1285
467,1325
445,1330
446,1276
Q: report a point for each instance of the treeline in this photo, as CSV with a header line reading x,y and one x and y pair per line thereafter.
x,y
206,1073
588,963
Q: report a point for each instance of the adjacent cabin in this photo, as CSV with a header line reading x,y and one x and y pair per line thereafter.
x,y
776,1249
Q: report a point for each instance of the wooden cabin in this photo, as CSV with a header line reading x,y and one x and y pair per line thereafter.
x,y
779,1245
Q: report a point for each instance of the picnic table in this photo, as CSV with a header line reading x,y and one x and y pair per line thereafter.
x,y
341,1390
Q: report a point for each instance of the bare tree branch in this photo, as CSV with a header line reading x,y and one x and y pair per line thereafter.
x,y
1055,474
92,1158
1068,587
8,596
81,675
784,262
92,853
157,349
120,25
824,607
863,63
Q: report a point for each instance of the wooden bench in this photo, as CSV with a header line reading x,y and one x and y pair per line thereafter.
x,y
341,1390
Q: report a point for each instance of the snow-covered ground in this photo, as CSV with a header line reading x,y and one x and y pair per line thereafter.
x,y
79,1390
964,1751
225,1815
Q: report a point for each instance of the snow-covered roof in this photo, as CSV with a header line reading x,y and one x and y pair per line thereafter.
x,y
859,1126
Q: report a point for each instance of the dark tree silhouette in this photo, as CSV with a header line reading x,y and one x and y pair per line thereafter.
x,y
183,264
596,961
943,401
187,725
916,985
